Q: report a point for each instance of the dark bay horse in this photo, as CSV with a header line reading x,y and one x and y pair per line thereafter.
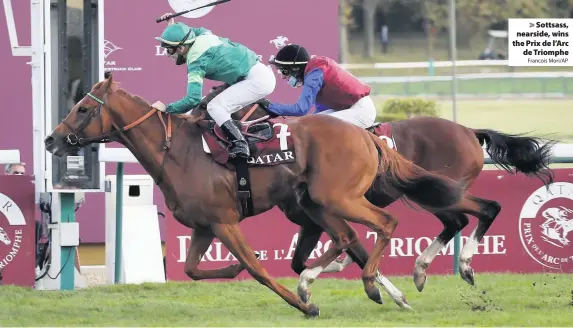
x,y
202,194
438,146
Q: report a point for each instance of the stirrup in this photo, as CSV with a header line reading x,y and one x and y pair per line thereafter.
x,y
239,149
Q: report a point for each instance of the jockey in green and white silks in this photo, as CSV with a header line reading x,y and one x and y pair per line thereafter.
x,y
209,56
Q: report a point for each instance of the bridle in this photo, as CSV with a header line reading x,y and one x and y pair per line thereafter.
x,y
74,140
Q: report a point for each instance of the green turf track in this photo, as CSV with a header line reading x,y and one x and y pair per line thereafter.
x,y
496,300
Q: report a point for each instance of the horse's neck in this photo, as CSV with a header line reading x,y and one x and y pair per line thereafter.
x,y
146,142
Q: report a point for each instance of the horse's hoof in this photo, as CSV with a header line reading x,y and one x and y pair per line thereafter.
x,y
420,279
468,275
313,311
405,304
374,294
402,302
304,295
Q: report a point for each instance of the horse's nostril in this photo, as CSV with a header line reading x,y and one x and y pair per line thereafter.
x,y
48,141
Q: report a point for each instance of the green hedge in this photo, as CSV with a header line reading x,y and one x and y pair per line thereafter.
x,y
400,109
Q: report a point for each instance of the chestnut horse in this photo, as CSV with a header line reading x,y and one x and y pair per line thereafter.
x,y
438,146
202,194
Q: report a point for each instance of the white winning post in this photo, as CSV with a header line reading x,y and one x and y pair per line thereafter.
x,y
133,241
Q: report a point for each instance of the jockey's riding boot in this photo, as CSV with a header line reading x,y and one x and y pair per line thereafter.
x,y
239,148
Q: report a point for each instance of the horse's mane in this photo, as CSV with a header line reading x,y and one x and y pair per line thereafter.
x,y
137,99
198,113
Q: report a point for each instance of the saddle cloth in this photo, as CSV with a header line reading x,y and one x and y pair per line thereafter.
x,y
384,132
270,142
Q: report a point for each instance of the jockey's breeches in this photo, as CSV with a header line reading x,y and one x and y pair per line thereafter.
x,y
362,113
259,83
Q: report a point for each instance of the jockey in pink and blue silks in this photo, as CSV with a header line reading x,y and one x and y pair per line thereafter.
x,y
208,56
326,85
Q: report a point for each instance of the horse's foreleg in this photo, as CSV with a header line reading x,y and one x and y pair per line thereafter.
x,y
233,238
453,223
200,241
308,237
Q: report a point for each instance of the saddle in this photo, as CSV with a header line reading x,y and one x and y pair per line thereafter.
x,y
253,131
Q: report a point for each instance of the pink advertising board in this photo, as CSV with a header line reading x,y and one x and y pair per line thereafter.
x,y
532,233
17,233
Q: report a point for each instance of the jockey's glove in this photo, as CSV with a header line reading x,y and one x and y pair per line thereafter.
x,y
264,103
159,106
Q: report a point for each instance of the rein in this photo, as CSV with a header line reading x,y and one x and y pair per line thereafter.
x,y
250,112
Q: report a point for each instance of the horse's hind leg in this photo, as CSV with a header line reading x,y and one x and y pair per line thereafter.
x,y
200,241
486,211
453,223
232,237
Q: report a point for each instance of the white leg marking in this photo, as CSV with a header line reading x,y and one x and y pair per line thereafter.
x,y
424,260
393,291
336,266
308,276
468,251
430,253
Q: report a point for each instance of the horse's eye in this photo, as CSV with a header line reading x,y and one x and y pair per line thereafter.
x,y
82,109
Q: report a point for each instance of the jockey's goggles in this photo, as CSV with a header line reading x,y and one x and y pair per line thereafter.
x,y
284,71
171,49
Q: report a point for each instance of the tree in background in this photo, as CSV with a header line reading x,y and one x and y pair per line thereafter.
x,y
473,17
346,16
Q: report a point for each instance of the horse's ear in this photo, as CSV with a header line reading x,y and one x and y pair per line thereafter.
x,y
109,80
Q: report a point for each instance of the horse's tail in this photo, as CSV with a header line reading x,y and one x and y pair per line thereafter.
x,y
525,154
429,190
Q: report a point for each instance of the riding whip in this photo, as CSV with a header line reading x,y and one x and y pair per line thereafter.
x,y
159,20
